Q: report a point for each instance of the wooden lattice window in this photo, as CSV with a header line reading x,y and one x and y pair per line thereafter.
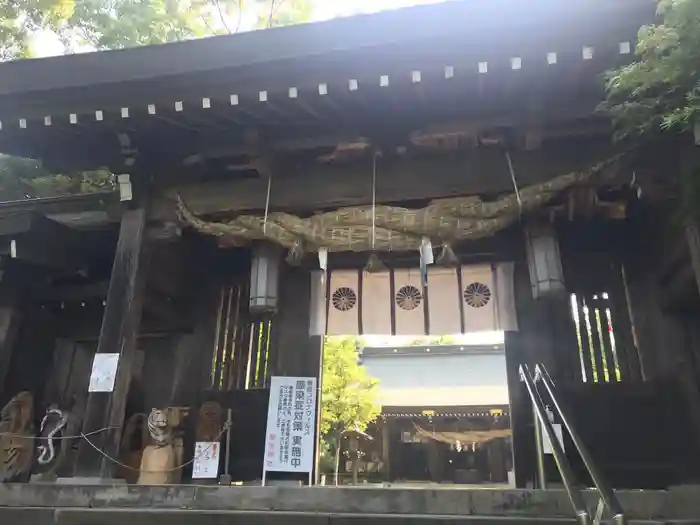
x,y
242,351
602,358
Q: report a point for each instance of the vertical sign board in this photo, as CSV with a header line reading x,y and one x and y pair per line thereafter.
x,y
291,426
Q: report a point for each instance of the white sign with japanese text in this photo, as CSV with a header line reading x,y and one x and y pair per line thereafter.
x,y
104,373
206,460
291,425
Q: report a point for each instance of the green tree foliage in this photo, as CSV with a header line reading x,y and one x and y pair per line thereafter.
x,y
24,178
660,90
19,19
115,24
349,396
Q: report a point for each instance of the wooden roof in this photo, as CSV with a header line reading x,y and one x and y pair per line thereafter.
x,y
163,108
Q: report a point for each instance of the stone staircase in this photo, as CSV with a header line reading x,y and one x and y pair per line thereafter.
x,y
38,504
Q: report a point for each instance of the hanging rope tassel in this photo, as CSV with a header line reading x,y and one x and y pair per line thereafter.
x,y
267,202
447,256
515,182
374,264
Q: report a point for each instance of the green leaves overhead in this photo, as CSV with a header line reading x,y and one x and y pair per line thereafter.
x,y
660,90
81,25
116,24
20,19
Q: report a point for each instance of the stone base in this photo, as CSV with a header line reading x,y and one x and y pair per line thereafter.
x,y
90,481
164,505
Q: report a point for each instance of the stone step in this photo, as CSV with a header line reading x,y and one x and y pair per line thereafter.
x,y
78,516
669,505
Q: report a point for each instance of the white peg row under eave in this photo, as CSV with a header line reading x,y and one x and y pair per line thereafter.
x,y
516,63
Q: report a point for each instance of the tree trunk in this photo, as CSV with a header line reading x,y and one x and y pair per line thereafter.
x,y
338,441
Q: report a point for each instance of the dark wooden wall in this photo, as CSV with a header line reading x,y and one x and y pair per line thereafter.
x,y
32,356
624,383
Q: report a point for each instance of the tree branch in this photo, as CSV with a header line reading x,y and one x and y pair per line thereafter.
x,y
272,13
217,3
240,15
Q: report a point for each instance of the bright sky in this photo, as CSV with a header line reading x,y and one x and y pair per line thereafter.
x,y
46,44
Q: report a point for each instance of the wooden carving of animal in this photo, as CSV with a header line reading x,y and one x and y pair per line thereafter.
x,y
158,460
51,447
209,422
17,438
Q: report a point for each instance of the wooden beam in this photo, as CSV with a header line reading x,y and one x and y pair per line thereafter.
x,y
107,202
679,290
71,292
118,335
165,310
10,319
44,242
168,273
400,178
692,234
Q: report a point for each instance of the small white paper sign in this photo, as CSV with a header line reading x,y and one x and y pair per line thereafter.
x,y
104,372
206,460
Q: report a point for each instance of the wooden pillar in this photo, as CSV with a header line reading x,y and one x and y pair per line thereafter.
x,y
386,450
299,349
10,319
118,335
692,235
520,411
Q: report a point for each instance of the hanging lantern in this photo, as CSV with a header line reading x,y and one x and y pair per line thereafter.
x,y
264,278
544,261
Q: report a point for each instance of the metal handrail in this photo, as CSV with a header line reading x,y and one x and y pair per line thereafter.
x,y
567,476
607,494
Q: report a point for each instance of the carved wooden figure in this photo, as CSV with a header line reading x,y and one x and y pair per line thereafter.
x,y
209,422
17,438
158,460
51,446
